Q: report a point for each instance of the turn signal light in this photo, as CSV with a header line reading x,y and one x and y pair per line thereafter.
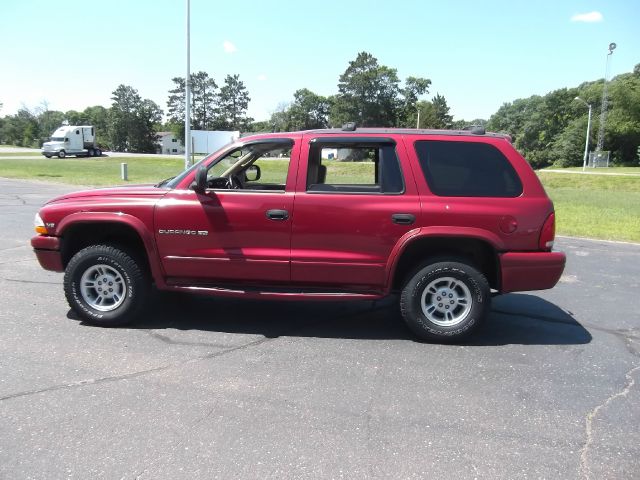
x,y
39,225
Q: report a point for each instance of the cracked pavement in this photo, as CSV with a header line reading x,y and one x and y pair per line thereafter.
x,y
211,388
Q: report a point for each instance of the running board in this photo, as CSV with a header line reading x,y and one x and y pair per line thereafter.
x,y
274,294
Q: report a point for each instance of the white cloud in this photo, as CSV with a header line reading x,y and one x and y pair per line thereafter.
x,y
590,17
262,77
229,47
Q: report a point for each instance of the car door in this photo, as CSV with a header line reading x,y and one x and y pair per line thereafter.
x,y
232,235
353,203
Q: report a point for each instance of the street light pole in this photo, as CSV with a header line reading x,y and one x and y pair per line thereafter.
x,y
586,143
187,95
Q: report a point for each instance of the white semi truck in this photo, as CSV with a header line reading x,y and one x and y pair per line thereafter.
x,y
78,140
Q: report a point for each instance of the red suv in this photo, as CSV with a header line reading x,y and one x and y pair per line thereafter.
x,y
443,218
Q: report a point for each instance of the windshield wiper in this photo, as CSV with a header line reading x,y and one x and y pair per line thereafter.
x,y
164,182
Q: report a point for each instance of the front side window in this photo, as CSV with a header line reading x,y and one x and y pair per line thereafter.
x,y
253,167
467,169
354,168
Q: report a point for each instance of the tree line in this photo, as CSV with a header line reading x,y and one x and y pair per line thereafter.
x,y
131,123
551,129
548,130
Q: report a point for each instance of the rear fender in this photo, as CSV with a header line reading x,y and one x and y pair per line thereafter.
x,y
435,232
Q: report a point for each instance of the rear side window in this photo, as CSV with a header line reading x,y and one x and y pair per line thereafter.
x,y
467,169
354,167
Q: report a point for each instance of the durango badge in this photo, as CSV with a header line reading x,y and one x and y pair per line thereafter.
x,y
202,233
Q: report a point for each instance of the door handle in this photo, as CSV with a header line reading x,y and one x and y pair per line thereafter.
x,y
403,218
277,215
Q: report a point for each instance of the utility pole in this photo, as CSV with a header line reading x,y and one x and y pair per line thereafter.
x,y
187,95
605,99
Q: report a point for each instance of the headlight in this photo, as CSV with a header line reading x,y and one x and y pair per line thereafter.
x,y
39,224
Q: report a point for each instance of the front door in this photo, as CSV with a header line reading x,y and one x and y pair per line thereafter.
x,y
238,230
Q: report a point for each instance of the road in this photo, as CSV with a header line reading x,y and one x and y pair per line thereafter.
x,y
31,153
210,388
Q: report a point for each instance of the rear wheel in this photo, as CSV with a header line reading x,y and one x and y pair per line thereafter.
x,y
445,301
91,152
97,152
62,154
105,285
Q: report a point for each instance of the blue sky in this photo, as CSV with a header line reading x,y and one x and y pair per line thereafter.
x,y
477,54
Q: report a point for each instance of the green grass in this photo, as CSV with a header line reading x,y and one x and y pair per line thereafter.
x,y
349,172
92,171
594,206
273,170
600,170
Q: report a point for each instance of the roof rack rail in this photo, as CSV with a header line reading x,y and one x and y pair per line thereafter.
x,y
349,127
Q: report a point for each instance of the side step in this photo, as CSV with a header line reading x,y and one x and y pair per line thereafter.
x,y
274,293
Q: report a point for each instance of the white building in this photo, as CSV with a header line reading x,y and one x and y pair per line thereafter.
x,y
208,141
169,144
203,141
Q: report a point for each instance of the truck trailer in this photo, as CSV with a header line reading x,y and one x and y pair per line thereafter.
x,y
78,140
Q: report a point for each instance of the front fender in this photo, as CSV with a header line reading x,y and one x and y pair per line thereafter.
x,y
118,217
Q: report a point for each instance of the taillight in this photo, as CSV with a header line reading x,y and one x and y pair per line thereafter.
x,y
548,233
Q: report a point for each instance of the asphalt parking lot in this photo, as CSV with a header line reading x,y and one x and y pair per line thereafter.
x,y
210,388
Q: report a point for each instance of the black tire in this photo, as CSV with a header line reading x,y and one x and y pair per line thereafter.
x,y
98,152
123,272
449,317
48,156
91,153
62,154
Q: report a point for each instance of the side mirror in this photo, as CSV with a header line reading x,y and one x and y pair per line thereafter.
x,y
252,173
199,184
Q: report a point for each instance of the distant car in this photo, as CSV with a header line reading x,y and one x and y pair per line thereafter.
x,y
442,218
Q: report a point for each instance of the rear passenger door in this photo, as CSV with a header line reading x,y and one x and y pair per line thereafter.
x,y
353,202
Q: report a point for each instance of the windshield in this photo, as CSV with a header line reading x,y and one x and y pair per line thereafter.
x,y
57,139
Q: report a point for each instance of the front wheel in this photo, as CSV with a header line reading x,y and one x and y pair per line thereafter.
x,y
62,154
105,286
445,301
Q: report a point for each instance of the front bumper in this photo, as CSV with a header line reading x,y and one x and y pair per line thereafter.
x,y
522,271
47,250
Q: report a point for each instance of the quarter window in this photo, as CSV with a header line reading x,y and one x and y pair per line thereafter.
x,y
467,169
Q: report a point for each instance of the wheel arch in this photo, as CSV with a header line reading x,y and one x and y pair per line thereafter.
x,y
480,249
80,230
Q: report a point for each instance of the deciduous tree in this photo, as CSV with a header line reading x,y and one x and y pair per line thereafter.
x,y
133,121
